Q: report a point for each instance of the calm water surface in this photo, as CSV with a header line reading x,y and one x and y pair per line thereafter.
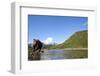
x,y
63,54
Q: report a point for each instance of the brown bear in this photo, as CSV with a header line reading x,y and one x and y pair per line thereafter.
x,y
37,45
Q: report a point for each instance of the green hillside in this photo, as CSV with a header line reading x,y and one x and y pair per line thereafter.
x,y
77,40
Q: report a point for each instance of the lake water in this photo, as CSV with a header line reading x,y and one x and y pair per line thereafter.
x,y
63,54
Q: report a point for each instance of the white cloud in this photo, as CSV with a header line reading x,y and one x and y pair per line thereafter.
x,y
49,40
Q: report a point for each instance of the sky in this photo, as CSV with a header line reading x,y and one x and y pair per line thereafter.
x,y
54,29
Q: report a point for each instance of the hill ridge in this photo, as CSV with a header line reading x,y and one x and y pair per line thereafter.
x,y
78,40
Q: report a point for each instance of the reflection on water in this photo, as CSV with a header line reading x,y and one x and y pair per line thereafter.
x,y
52,54
63,54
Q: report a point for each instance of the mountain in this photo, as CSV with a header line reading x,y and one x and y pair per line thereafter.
x,y
45,46
77,40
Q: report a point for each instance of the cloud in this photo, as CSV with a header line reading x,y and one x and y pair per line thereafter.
x,y
49,40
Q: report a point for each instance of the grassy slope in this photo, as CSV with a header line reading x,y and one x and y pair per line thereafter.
x,y
77,40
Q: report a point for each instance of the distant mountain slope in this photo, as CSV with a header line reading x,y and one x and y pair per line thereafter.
x,y
77,40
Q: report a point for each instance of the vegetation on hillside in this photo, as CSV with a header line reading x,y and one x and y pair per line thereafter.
x,y
77,40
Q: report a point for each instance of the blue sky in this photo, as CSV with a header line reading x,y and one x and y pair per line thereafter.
x,y
54,28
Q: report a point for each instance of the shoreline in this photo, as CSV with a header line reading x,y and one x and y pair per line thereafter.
x,y
68,49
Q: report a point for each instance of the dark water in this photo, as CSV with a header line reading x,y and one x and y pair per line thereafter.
x,y
63,54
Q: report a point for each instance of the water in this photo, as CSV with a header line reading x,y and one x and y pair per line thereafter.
x,y
63,54
52,55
